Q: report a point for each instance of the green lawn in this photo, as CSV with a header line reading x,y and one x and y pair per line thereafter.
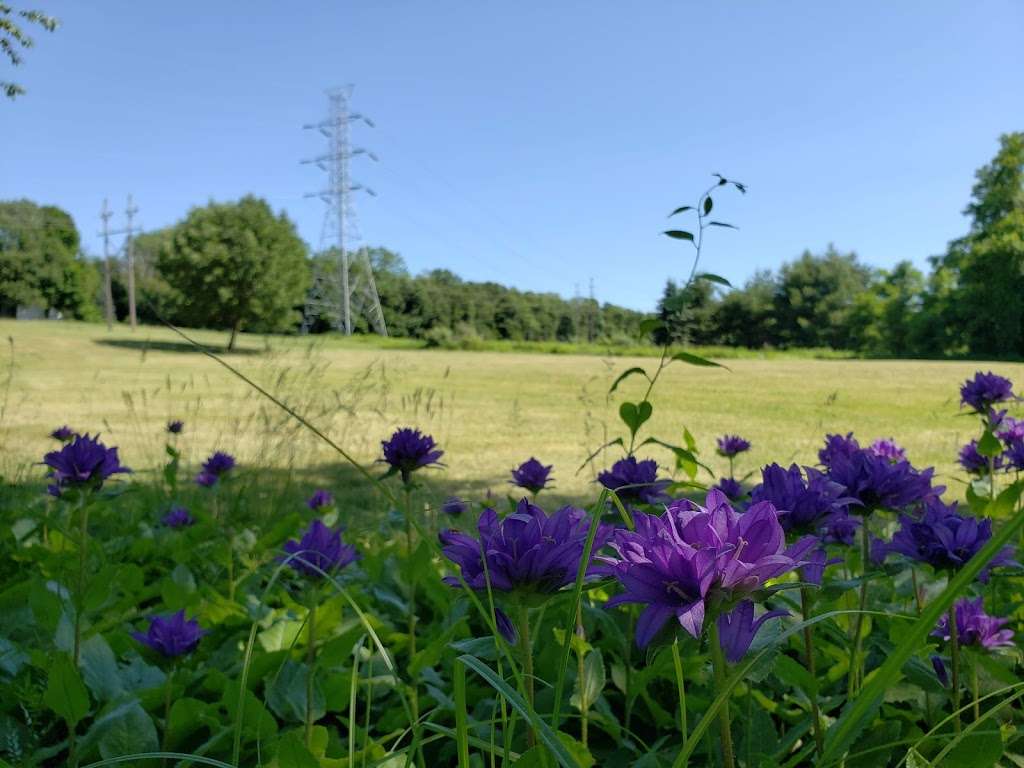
x,y
489,410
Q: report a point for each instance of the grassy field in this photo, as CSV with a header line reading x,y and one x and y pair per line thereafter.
x,y
489,410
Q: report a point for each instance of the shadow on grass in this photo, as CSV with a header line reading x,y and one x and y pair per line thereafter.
x,y
178,347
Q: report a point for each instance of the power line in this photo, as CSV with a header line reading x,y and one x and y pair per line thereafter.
x,y
336,290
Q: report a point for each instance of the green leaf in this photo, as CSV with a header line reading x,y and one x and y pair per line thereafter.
x,y
535,757
989,445
856,714
128,730
721,224
635,414
65,692
981,749
430,655
691,442
292,753
609,444
708,205
713,278
625,375
593,682
678,234
686,357
542,729
286,694
916,760
681,209
99,668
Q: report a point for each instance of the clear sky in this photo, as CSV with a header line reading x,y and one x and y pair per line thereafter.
x,y
538,144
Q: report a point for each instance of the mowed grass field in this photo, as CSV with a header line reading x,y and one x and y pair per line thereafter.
x,y
488,410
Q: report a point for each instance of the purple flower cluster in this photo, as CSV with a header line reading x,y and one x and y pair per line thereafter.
x,y
878,483
172,635
837,447
804,505
320,551
984,391
63,434
693,560
177,517
732,445
408,450
945,539
320,499
214,468
454,506
531,475
975,627
83,464
731,487
635,481
973,462
840,528
888,449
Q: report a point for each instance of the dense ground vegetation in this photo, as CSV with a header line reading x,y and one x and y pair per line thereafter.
x,y
242,257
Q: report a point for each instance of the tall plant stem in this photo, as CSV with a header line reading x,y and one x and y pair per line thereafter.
x,y
721,672
856,668
414,697
580,672
684,729
954,654
310,661
83,554
975,689
526,651
168,689
819,734
917,591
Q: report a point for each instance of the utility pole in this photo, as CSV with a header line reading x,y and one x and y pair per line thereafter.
x,y
591,313
336,290
108,294
129,212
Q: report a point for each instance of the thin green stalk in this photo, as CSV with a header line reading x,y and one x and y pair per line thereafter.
x,y
975,688
819,734
461,724
168,688
681,689
83,554
352,692
721,671
310,662
917,591
580,673
526,650
856,668
954,653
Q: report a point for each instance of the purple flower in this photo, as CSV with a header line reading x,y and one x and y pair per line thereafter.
x,y
731,487
888,449
732,445
172,635
177,517
940,670
1013,457
877,483
527,551
320,551
215,467
945,539
975,627
635,481
803,505
837,446
320,498
737,628
63,434
813,571
973,462
408,450
691,560
878,550
984,391
531,475
1008,429
454,506
839,528
175,426
82,464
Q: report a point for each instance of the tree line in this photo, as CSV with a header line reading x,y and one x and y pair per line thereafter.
x,y
240,265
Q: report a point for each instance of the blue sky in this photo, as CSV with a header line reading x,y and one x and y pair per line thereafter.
x,y
538,144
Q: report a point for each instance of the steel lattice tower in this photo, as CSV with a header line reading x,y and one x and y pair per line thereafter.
x,y
347,289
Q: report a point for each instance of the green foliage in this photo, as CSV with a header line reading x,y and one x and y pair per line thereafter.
x,y
236,265
14,38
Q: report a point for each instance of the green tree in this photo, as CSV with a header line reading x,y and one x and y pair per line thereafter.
x,y
815,299
40,262
990,259
238,266
14,38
